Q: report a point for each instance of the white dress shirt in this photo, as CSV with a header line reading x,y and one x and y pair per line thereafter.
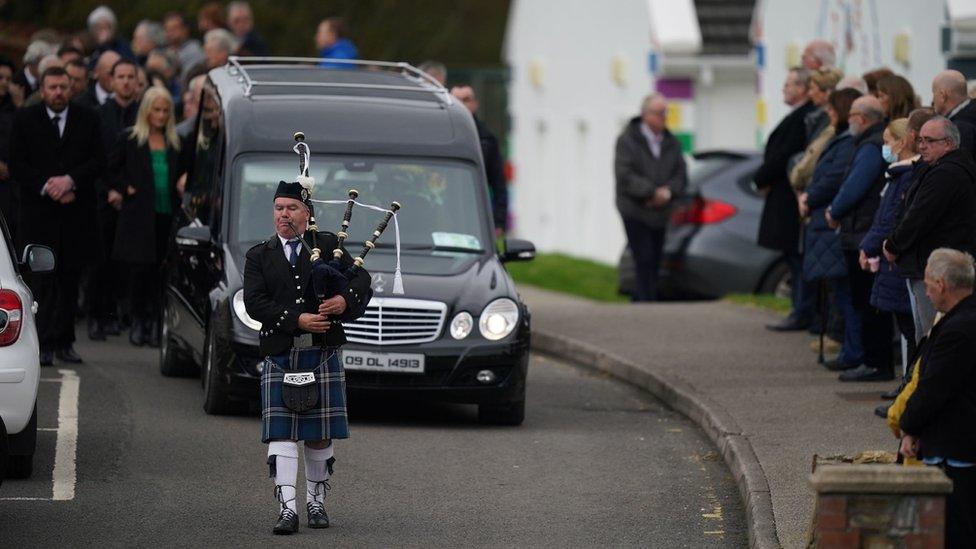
x,y
287,248
101,94
653,139
958,108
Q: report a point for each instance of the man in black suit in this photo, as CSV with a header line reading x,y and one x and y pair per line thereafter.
x,y
118,112
81,93
939,421
950,98
779,228
55,156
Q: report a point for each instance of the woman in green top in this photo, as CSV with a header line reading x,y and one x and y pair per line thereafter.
x,y
144,167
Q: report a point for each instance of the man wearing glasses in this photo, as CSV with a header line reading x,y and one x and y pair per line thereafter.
x,y
853,211
940,210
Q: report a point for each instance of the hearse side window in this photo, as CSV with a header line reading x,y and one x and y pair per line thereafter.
x,y
197,200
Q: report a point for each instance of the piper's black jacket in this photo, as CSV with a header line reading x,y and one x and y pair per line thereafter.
x,y
275,294
940,211
941,412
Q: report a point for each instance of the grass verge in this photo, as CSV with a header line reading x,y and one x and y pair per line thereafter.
x,y
769,302
570,275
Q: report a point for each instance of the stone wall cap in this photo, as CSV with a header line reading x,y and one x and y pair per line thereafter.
x,y
879,479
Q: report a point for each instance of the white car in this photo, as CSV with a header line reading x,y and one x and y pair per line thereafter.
x,y
19,356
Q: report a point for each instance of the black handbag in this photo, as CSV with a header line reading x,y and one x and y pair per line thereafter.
x,y
300,390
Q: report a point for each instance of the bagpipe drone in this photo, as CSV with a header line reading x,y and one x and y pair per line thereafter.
x,y
330,277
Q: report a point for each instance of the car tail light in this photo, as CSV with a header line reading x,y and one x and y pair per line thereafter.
x,y
703,211
11,315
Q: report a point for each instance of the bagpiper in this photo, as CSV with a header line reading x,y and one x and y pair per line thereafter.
x,y
302,384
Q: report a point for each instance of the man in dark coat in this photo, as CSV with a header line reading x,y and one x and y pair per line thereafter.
x,y
492,155
779,227
940,210
939,421
853,211
950,98
81,92
118,112
56,155
240,21
650,172
278,293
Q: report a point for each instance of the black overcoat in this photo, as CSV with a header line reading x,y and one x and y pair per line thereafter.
x,y
131,164
779,228
275,294
36,154
941,412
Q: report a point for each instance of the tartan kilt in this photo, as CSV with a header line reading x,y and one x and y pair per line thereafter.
x,y
327,420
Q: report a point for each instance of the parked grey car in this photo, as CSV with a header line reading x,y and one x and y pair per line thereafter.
x,y
711,249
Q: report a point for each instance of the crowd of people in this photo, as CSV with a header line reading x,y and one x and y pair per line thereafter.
x,y
103,189
871,197
94,148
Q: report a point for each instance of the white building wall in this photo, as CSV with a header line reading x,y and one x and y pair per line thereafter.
x,y
725,109
786,26
579,72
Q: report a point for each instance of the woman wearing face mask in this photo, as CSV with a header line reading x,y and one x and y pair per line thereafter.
x,y
889,292
144,167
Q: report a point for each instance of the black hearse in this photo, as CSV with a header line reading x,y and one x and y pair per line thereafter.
x,y
459,332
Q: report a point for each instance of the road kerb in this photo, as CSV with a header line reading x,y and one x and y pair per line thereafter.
x,y
717,423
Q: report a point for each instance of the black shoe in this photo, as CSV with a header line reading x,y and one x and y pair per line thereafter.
x,y
867,373
47,358
789,325
112,328
893,394
137,334
838,365
151,332
317,518
68,355
95,332
287,522
882,411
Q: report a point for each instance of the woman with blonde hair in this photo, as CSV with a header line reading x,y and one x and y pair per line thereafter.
x,y
144,167
889,292
819,129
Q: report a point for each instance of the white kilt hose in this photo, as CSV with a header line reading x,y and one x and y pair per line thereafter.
x,y
327,419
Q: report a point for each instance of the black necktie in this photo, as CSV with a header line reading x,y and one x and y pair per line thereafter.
x,y
57,124
293,257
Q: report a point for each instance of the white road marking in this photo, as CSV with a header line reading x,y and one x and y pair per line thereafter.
x,y
47,429
25,499
67,446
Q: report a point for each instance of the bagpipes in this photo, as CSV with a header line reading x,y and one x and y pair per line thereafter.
x,y
331,277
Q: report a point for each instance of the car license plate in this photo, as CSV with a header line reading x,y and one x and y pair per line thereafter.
x,y
383,362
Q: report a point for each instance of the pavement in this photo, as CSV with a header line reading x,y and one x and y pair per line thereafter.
x,y
597,463
760,396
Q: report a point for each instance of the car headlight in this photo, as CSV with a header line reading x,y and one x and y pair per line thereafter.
x,y
498,319
461,325
241,312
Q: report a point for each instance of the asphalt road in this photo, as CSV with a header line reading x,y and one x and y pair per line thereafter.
x,y
597,463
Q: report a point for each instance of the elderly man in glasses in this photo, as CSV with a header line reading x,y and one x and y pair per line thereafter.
x,y
940,211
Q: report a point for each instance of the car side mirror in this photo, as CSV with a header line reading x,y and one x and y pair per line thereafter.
x,y
38,259
193,237
518,250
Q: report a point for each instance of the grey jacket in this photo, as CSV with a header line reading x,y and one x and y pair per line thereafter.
x,y
639,174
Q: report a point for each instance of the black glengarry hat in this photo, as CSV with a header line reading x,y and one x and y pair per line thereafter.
x,y
293,190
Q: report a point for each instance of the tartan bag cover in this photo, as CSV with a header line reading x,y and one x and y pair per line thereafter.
x,y
327,420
